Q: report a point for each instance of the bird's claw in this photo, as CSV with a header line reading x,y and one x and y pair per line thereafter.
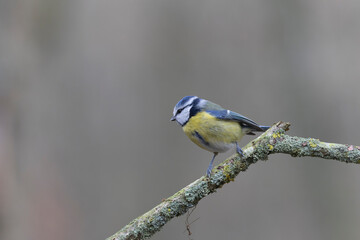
x,y
239,150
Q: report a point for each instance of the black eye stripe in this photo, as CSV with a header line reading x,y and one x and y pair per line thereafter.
x,y
181,109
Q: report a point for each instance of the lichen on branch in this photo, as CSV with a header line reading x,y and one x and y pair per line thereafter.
x,y
272,141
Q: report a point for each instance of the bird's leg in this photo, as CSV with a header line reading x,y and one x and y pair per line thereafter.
x,y
208,171
239,150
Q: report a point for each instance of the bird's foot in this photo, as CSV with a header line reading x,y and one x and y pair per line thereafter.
x,y
239,150
208,171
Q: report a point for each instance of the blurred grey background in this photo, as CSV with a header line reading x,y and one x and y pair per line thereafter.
x,y
87,89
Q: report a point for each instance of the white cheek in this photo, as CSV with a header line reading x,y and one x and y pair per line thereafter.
x,y
183,117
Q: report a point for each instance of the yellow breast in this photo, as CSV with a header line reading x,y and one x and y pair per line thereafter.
x,y
212,134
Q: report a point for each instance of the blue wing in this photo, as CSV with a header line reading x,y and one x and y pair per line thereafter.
x,y
233,116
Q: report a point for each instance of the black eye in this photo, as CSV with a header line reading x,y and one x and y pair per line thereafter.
x,y
178,111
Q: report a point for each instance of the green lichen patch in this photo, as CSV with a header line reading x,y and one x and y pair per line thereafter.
x,y
313,143
228,173
197,191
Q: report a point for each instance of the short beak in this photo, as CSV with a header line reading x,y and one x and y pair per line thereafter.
x,y
172,118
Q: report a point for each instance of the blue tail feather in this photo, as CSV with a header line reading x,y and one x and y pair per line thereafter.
x,y
264,127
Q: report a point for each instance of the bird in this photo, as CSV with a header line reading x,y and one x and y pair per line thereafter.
x,y
212,127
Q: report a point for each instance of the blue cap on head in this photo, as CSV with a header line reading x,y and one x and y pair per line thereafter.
x,y
184,100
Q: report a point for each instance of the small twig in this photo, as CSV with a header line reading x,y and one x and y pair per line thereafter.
x,y
187,224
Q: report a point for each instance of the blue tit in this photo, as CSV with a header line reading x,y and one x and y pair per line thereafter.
x,y
212,127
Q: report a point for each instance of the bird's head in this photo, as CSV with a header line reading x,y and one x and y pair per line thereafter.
x,y
186,108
